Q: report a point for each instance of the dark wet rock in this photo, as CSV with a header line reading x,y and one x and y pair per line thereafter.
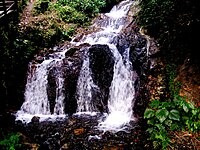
x,y
101,64
71,51
35,119
70,82
71,70
68,69
51,88
80,133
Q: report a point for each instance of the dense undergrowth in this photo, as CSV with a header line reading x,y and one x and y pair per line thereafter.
x,y
173,122
175,114
174,23
10,141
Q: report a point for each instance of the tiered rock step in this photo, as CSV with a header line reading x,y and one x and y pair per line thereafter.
x,y
6,7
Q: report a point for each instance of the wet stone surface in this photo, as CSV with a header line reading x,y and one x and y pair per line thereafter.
x,y
80,133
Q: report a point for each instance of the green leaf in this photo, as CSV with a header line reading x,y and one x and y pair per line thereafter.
x,y
168,122
155,104
166,104
185,118
194,112
162,114
151,122
150,130
174,115
159,136
191,105
149,113
160,127
185,107
174,127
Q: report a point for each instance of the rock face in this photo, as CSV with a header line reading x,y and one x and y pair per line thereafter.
x,y
51,88
68,69
101,64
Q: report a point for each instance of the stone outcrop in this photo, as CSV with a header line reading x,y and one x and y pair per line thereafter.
x,y
101,64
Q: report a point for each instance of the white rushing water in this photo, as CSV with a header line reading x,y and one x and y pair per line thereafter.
x,y
85,86
121,94
36,99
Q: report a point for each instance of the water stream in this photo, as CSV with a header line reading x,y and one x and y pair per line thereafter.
x,y
121,92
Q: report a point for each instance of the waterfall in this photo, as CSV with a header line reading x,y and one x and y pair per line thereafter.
x,y
121,98
36,93
85,86
36,99
121,92
59,106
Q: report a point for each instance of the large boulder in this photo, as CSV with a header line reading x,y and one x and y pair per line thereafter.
x,y
101,64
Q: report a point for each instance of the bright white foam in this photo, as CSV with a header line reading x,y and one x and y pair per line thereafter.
x,y
115,121
120,10
86,113
36,98
26,118
85,85
122,93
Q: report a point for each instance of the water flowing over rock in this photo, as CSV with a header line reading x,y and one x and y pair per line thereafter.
x,y
101,64
98,71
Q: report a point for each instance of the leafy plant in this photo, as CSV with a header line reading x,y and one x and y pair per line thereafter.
x,y
170,115
11,142
174,115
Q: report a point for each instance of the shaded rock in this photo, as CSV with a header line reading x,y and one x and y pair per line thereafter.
x,y
101,64
51,88
35,119
71,70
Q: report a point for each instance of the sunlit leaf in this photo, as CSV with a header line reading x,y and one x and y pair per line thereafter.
x,y
162,114
155,104
185,107
174,115
160,126
151,122
149,113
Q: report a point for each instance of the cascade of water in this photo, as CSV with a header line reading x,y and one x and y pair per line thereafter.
x,y
59,106
122,88
36,98
85,86
110,26
121,94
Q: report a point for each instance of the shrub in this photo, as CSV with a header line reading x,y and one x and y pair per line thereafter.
x,y
11,142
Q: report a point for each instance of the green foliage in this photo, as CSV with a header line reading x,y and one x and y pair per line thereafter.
x,y
71,15
171,75
89,7
11,142
174,23
174,114
76,11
